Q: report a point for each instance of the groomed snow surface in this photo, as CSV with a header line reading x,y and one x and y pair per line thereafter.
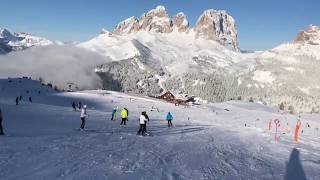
x,y
208,141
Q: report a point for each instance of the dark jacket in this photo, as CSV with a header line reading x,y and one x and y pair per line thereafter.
x,y
0,116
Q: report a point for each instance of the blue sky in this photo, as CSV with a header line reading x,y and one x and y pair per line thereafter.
x,y
261,24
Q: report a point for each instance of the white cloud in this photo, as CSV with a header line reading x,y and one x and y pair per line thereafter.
x,y
57,64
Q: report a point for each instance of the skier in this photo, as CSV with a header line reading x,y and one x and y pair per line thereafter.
x,y
1,128
127,113
114,113
17,100
30,99
74,106
146,120
80,105
20,98
169,119
83,116
142,121
124,116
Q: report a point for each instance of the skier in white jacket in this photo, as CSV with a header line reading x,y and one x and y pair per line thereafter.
x,y
143,120
83,116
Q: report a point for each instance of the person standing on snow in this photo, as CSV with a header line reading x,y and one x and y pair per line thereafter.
x,y
142,121
17,100
74,106
114,114
169,119
1,128
80,105
127,113
124,116
83,116
146,120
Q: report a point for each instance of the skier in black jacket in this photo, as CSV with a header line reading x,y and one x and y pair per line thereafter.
x,y
147,120
1,128
17,101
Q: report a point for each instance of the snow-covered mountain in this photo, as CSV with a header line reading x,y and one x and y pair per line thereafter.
x,y
156,53
211,25
19,41
311,36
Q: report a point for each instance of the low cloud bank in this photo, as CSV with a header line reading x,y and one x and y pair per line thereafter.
x,y
59,65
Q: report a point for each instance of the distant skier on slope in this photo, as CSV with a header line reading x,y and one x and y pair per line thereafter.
x,y
30,99
114,113
169,119
83,116
124,116
74,106
1,128
127,113
17,100
146,120
142,121
80,105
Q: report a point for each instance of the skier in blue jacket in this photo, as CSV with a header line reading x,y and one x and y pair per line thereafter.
x,y
169,119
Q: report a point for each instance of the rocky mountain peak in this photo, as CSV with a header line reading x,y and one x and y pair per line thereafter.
x,y
159,11
211,25
218,26
180,22
129,25
5,34
156,20
311,36
19,41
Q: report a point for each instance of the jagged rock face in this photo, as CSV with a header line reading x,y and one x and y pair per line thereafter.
x,y
156,20
180,22
218,26
129,25
212,25
311,36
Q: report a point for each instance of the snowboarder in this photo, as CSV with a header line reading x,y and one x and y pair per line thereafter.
x,y
30,99
74,106
17,100
124,116
142,121
1,128
169,119
114,113
83,116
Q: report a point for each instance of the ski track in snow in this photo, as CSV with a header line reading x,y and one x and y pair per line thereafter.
x,y
213,144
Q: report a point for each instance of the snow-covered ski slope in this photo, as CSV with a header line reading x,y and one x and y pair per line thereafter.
x,y
208,141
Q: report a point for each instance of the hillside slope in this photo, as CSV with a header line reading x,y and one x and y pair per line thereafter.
x,y
208,141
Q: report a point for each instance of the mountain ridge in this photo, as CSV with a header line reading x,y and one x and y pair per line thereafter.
x,y
19,41
215,25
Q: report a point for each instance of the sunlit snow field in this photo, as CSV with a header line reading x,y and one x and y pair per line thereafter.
x,y
228,140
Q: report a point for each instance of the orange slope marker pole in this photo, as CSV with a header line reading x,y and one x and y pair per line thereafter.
x,y
296,132
270,125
